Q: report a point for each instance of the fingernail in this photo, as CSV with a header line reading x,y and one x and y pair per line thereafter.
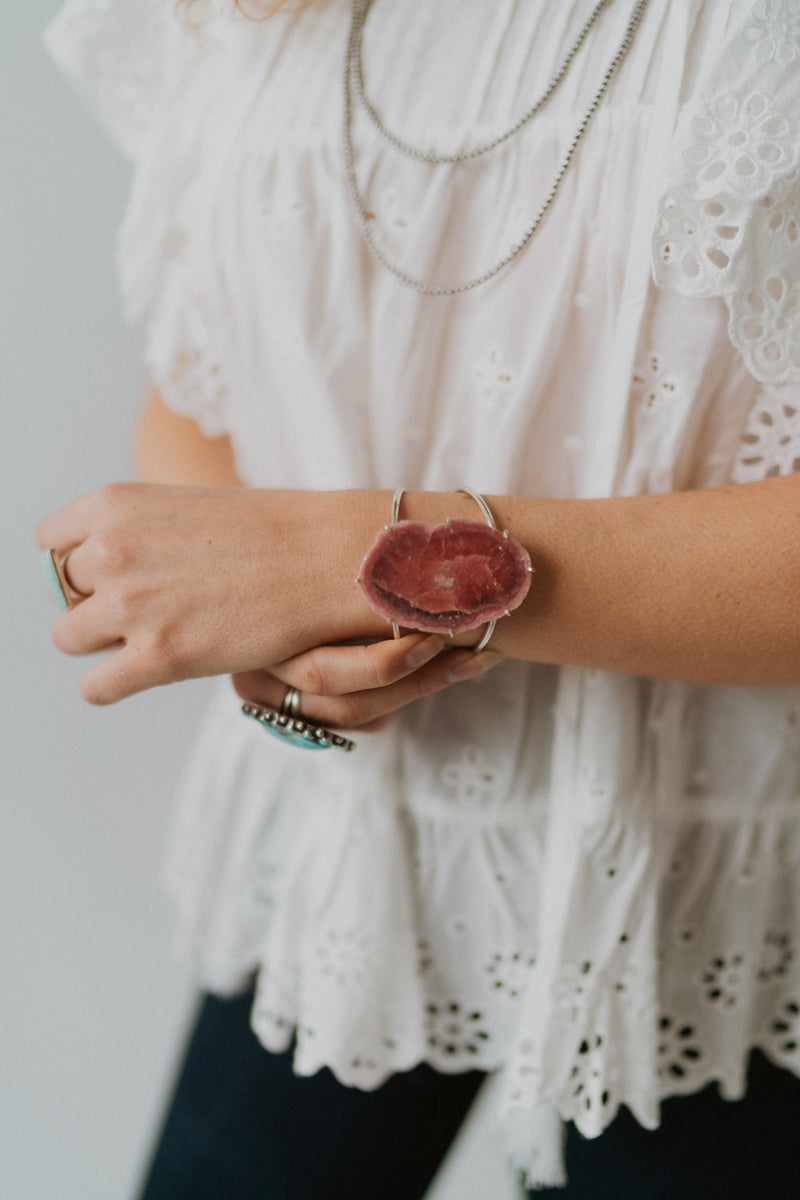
x,y
476,664
423,652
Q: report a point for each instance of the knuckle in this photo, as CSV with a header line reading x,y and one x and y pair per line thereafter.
x,y
348,712
112,496
165,651
381,668
312,677
121,607
111,552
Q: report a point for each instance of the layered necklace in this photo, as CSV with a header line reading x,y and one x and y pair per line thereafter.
x,y
354,83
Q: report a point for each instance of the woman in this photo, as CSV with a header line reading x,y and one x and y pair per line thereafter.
x,y
576,870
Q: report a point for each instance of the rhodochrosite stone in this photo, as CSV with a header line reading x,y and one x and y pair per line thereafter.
x,y
440,577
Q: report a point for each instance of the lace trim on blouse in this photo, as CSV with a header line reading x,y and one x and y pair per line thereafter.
x,y
729,219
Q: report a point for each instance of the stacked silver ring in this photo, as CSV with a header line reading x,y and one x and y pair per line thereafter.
x,y
287,723
290,704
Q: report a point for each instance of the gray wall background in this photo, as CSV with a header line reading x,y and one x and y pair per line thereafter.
x,y
91,1001
93,1004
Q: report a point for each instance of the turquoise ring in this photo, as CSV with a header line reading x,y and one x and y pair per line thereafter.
x,y
54,576
295,731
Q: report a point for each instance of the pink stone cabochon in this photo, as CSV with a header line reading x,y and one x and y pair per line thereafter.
x,y
435,578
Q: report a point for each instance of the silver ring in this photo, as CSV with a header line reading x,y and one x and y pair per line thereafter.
x,y
296,731
290,704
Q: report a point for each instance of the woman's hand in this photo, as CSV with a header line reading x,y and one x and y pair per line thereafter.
x,y
182,582
360,687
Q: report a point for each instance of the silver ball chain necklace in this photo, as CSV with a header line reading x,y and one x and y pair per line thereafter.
x,y
354,82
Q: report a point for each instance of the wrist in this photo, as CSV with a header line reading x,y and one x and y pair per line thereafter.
x,y
352,520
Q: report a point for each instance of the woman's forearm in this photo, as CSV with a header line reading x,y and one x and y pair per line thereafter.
x,y
169,448
216,580
702,586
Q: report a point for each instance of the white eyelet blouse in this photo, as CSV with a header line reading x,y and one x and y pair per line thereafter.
x,y
584,881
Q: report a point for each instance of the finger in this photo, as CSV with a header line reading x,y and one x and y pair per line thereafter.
x,y
358,709
67,527
75,564
340,670
86,628
259,687
131,669
366,709
361,708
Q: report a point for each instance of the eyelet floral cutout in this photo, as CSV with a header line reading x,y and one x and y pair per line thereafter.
x,y
771,441
765,324
494,378
739,144
571,989
343,956
454,1032
390,214
777,956
591,1080
470,778
695,250
775,32
782,221
652,385
784,1031
723,979
508,973
727,224
678,1049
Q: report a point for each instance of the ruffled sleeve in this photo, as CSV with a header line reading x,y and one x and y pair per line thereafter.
x,y
141,69
116,53
729,218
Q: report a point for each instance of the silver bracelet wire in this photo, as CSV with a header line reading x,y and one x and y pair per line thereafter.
x,y
490,521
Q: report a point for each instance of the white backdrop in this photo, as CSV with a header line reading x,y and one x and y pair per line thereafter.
x,y
91,1001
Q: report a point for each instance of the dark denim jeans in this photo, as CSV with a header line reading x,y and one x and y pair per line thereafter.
x,y
242,1127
